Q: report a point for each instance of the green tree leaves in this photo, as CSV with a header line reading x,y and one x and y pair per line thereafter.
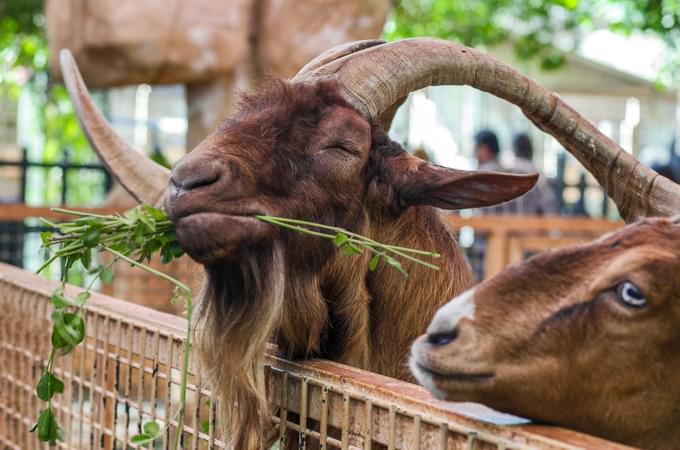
x,y
531,26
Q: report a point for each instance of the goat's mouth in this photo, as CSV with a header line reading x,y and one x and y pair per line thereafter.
x,y
211,236
458,377
456,385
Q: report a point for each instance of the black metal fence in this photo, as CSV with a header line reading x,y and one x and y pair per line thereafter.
x,y
578,207
14,233
64,165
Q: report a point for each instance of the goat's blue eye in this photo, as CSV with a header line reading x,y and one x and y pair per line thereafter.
x,y
630,295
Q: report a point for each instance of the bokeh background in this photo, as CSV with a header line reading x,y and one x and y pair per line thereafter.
x,y
166,73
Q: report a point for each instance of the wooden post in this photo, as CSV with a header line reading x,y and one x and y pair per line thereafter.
x,y
495,256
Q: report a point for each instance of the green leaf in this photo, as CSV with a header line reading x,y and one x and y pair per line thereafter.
x,y
58,299
155,212
69,326
170,250
91,238
47,427
106,275
349,249
177,250
373,263
45,237
67,262
82,297
141,439
48,386
59,343
148,223
153,245
152,429
396,265
86,258
340,239
139,235
132,214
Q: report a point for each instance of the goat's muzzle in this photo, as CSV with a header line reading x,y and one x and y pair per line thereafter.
x,y
212,220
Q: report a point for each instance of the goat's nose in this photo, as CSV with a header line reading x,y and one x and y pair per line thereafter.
x,y
444,327
440,339
189,174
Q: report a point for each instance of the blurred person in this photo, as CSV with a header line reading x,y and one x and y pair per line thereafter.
x,y
523,150
541,200
487,150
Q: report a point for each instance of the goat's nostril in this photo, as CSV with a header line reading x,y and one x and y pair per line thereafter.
x,y
197,180
439,339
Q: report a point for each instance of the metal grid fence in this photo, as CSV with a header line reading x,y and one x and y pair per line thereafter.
x,y
128,372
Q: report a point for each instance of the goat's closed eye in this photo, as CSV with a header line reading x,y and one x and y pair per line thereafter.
x,y
630,295
342,148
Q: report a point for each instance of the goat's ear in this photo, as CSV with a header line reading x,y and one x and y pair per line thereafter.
x,y
423,183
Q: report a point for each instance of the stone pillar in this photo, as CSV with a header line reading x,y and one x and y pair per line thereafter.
x,y
210,102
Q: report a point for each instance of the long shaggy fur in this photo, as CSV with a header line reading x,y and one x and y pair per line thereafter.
x,y
239,308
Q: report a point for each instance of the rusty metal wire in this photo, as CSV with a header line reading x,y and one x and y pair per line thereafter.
x,y
128,372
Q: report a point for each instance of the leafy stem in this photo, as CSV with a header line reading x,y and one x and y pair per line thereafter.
x,y
133,237
351,243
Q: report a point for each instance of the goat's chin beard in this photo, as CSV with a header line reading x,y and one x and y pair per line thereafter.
x,y
239,308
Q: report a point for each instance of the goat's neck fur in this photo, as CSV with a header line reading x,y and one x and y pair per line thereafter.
x,y
341,312
401,309
369,319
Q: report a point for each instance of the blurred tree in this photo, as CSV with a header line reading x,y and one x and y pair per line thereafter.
x,y
535,26
24,71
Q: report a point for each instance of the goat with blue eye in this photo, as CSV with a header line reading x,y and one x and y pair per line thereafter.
x,y
630,295
561,339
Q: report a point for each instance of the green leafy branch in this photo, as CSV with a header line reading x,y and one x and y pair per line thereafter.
x,y
132,237
355,244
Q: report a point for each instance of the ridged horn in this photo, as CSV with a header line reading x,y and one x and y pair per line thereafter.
x,y
374,79
144,179
339,51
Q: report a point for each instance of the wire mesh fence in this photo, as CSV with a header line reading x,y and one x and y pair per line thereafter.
x,y
128,372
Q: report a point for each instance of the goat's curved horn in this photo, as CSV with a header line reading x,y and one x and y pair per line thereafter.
x,y
337,52
342,50
376,78
144,179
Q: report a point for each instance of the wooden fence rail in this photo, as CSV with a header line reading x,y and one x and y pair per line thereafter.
x,y
127,372
509,239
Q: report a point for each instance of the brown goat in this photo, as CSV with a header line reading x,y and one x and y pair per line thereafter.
x,y
313,149
298,150
585,337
